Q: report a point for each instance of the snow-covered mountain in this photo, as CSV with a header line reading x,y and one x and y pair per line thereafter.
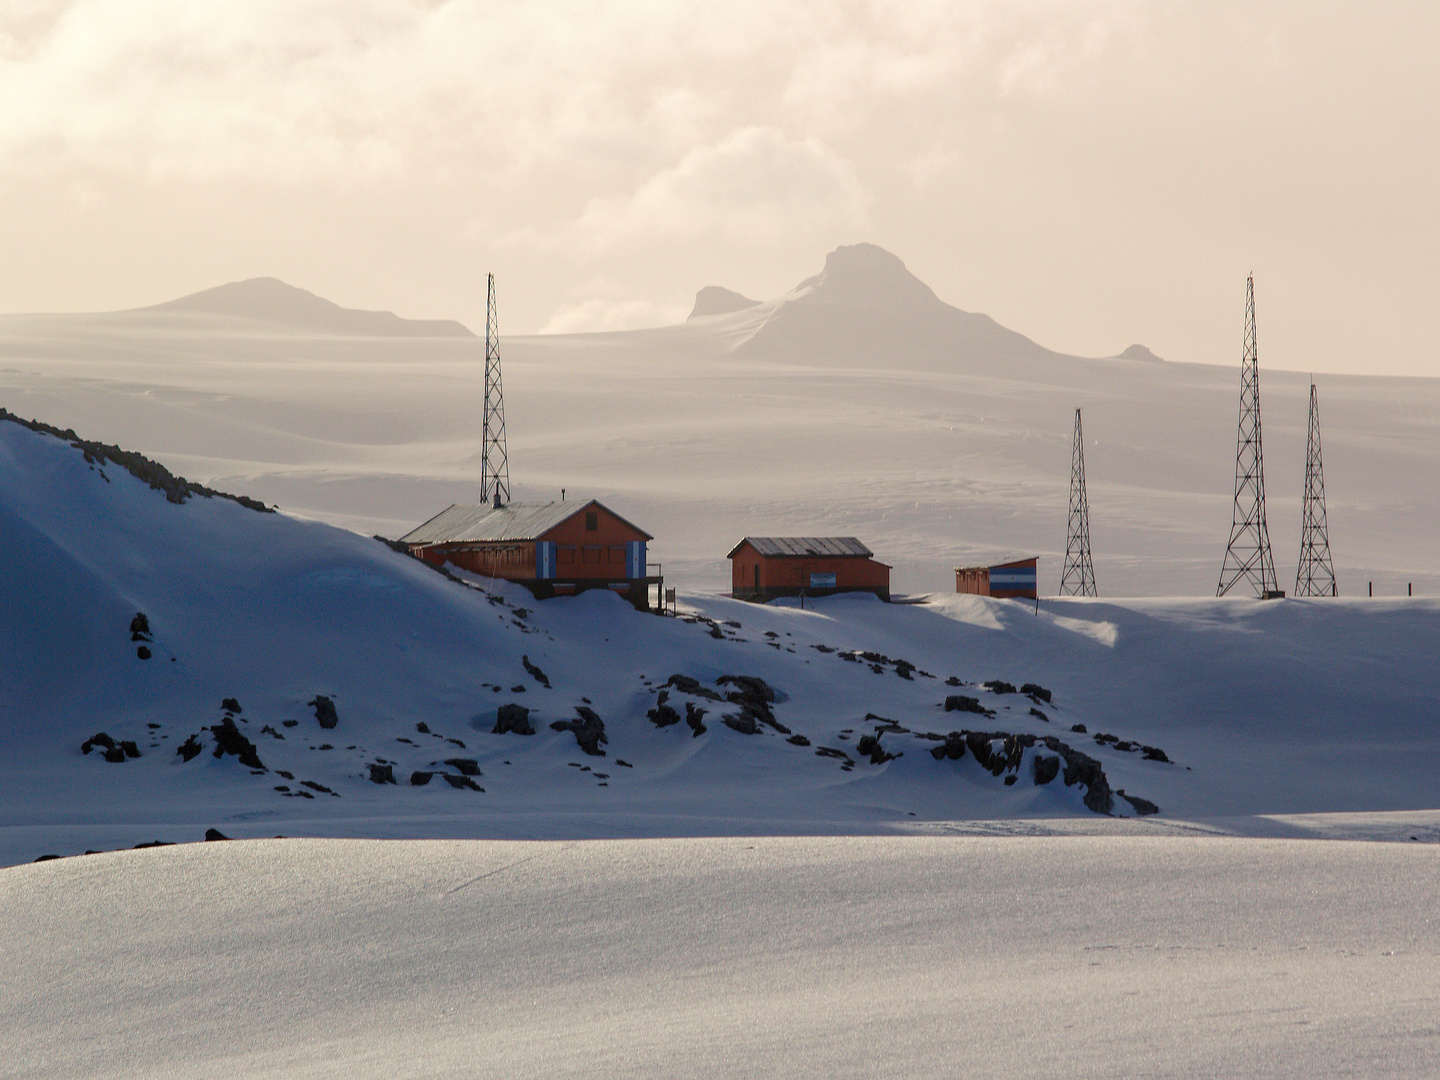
x,y
174,662
857,403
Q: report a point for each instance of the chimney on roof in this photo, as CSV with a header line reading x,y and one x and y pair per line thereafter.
x,y
497,498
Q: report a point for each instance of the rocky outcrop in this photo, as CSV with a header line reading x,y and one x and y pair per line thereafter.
x,y
229,740
589,730
663,715
381,773
693,716
965,703
325,712
535,673
176,488
512,719
754,697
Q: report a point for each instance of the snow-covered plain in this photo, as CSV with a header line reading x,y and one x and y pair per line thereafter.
x,y
857,404
802,957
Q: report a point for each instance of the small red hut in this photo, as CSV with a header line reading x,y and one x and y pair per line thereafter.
x,y
764,567
1011,580
553,549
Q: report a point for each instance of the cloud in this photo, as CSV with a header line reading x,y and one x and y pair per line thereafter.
x,y
752,188
289,89
596,314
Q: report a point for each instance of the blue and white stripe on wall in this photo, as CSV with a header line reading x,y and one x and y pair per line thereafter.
x,y
545,560
1013,578
635,559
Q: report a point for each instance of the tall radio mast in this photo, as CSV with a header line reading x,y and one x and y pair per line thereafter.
x,y
1078,577
1247,557
1315,575
494,462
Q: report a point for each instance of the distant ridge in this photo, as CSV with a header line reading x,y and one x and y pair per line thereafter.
x,y
1140,352
270,300
713,300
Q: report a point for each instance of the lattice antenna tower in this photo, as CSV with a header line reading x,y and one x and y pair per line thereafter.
x,y
1247,557
1078,577
1315,575
494,462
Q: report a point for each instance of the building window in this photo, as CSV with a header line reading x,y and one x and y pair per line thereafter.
x,y
592,522
592,553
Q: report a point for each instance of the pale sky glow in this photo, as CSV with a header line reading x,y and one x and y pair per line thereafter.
x,y
1089,173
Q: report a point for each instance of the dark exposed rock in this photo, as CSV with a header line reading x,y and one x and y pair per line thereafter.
x,y
286,775
965,703
189,749
143,652
229,740
663,715
314,786
998,686
114,754
230,704
1035,690
466,766
381,774
1083,769
48,857
1046,766
518,688
128,748
1036,712
869,746
268,730
754,696
1126,746
589,730
512,719
290,723
457,742
100,739
325,711
418,778
1142,806
715,631
953,681
798,740
461,782
140,627
1154,753
154,843
692,686
693,715
1079,729
535,672
215,834
953,748
1010,780
423,728
905,669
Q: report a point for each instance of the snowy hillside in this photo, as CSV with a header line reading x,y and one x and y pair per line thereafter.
x,y
733,719
856,404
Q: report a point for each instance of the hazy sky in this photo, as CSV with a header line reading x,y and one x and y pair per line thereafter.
x,y
1090,173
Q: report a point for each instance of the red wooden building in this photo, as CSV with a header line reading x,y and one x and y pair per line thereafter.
x,y
1015,580
764,567
553,549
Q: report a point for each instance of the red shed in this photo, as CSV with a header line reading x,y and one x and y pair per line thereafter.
x,y
764,567
1013,580
553,549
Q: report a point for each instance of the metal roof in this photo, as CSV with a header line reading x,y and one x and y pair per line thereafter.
x,y
477,522
472,523
803,545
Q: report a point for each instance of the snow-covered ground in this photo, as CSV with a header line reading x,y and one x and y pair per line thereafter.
x,y
792,901
1223,713
857,404
798,957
